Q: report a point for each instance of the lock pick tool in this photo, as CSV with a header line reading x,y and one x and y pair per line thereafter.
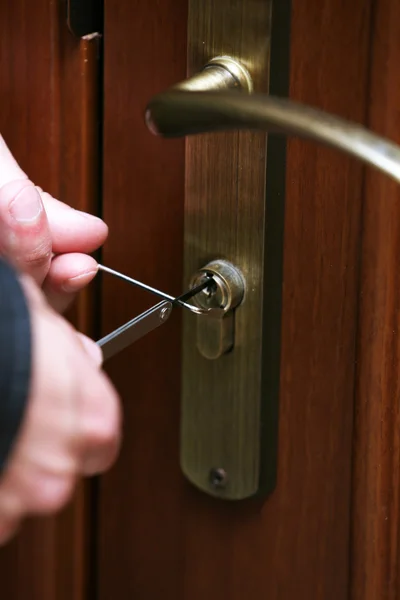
x,y
157,315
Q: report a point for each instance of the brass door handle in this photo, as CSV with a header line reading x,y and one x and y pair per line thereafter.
x,y
206,104
234,217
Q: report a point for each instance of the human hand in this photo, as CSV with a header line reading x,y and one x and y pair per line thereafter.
x,y
34,226
71,425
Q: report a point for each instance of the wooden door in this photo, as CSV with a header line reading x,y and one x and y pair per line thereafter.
x,y
50,97
330,528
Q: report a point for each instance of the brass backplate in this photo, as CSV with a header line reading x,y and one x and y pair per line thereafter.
x,y
229,405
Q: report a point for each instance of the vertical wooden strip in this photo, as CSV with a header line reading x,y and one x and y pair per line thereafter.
x,y
48,98
140,502
376,480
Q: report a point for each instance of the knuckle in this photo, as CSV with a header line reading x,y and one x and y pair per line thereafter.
x,y
103,425
39,257
10,503
102,433
100,425
52,494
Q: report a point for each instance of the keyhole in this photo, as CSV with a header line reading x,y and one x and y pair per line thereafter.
x,y
211,289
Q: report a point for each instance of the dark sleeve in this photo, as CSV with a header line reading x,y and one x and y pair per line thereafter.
x,y
15,358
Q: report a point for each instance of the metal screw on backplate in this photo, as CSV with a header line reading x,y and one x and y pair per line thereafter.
x,y
218,477
165,312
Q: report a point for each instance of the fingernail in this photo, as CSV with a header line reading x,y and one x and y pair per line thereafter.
x,y
74,284
88,216
27,206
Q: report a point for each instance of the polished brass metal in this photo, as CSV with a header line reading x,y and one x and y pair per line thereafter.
x,y
229,286
225,214
176,114
215,337
220,73
221,405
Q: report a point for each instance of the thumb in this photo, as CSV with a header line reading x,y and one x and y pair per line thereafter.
x,y
25,238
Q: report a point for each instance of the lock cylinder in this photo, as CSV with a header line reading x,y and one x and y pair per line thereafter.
x,y
215,337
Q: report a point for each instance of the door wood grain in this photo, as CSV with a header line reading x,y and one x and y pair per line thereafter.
x,y
49,99
140,500
159,537
375,556
330,529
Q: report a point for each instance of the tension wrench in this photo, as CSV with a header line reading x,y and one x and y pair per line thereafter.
x,y
157,315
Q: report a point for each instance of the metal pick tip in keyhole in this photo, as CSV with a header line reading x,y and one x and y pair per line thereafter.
x,y
212,288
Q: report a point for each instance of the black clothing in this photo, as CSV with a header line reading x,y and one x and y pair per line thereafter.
x,y
15,358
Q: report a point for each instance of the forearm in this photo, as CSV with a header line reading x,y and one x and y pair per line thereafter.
x,y
15,358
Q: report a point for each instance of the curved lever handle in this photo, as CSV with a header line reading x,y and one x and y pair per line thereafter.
x,y
177,113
